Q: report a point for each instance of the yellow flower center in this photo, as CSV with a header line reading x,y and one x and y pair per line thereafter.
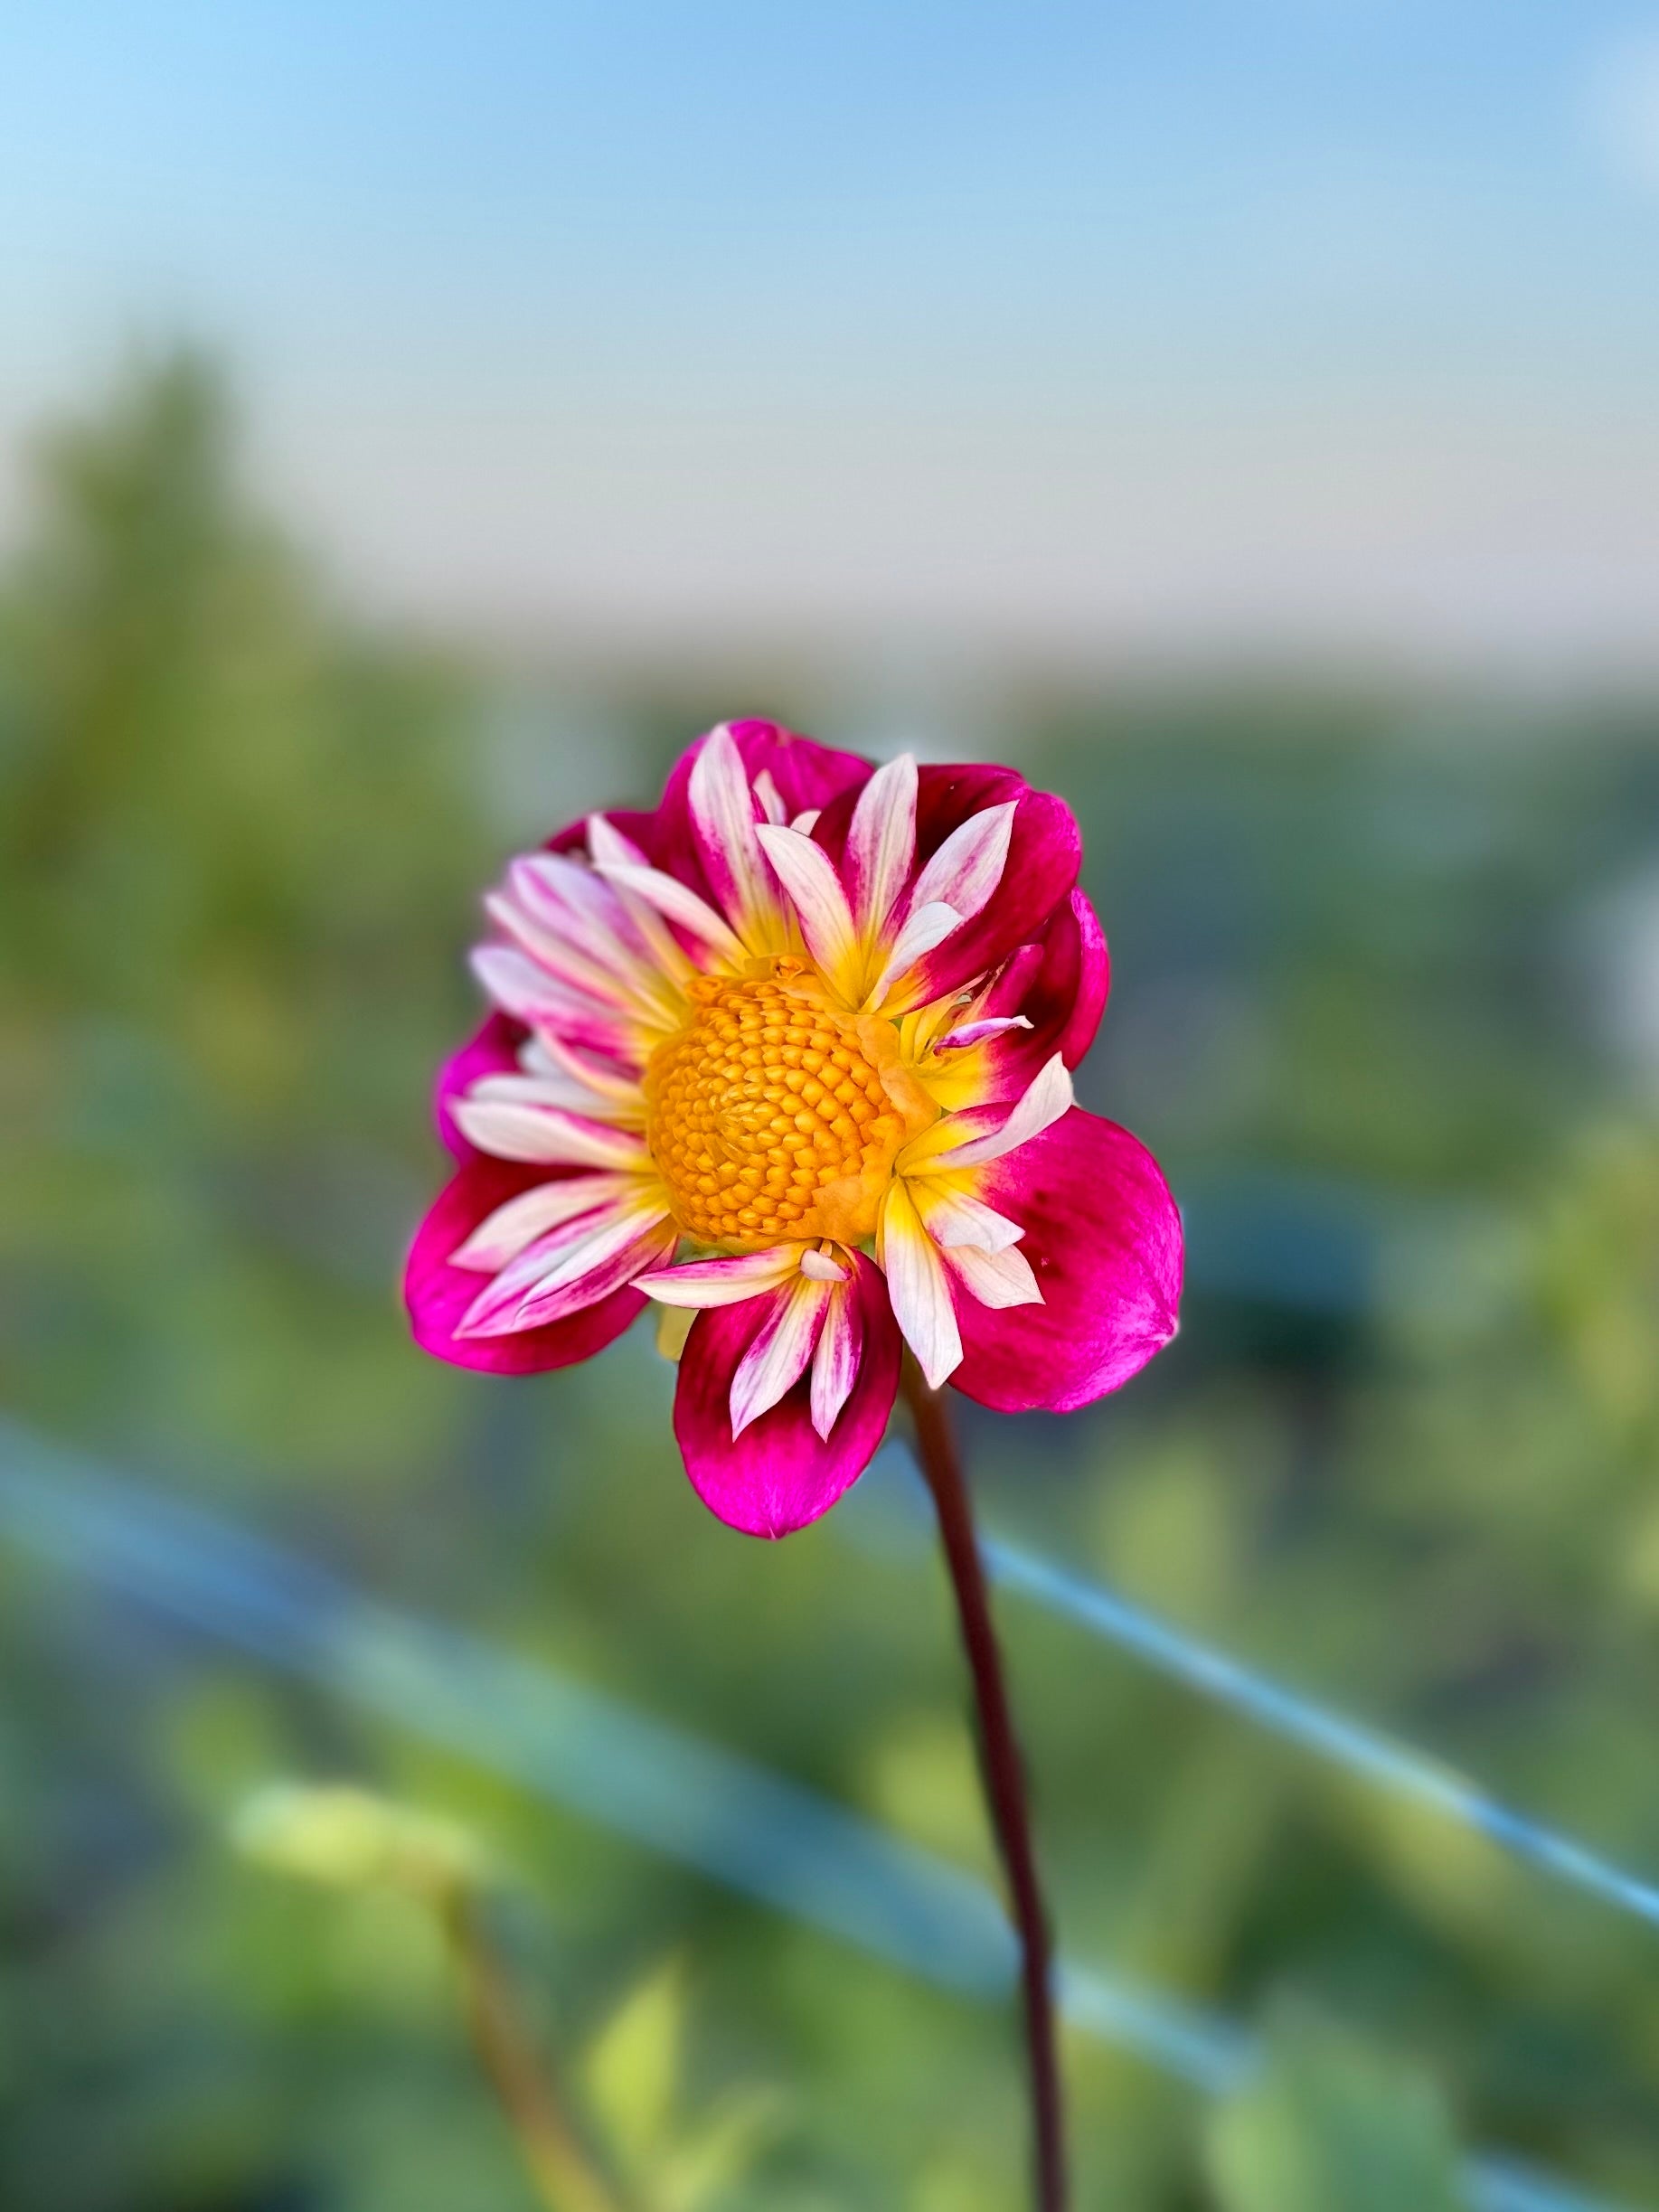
x,y
768,1115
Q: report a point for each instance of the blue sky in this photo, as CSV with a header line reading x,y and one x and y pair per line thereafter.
x,y
633,264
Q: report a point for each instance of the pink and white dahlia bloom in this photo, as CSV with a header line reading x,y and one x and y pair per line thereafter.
x,y
792,1054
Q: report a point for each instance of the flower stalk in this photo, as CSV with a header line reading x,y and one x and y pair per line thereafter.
x,y
1004,1774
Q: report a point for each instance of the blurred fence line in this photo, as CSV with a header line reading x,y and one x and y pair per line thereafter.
x,y
757,1832
1200,1667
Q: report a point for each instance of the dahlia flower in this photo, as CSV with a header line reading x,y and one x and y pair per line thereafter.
x,y
791,1057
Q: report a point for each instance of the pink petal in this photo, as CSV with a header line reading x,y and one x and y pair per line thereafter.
x,y
1041,1105
953,1218
834,1364
723,1282
968,866
544,1054
780,1474
924,928
514,1129
575,902
805,772
1059,984
723,814
513,1227
605,971
609,846
918,1287
1043,853
815,890
780,1352
994,1279
438,1293
575,1266
770,798
567,1250
805,776
493,1050
677,903
979,1032
882,842
546,1084
526,992
1103,1240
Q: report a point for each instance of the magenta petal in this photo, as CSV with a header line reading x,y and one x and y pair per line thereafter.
x,y
1103,1237
1045,852
807,773
492,1051
438,1295
1059,984
780,1474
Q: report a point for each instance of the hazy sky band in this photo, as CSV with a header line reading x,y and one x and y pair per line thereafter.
x,y
1312,317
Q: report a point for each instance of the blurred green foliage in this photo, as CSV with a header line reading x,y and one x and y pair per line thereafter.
x,y
1325,2123
631,2075
1380,1009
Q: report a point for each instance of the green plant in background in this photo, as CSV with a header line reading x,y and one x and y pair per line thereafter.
x,y
633,2078
656,2158
1326,2125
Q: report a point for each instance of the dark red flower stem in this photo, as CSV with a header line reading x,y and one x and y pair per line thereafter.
x,y
1004,1774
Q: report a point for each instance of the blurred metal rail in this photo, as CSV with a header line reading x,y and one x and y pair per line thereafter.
x,y
893,1511
755,1832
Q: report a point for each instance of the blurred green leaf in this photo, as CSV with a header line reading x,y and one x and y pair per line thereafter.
x,y
631,2070
1328,2125
717,2152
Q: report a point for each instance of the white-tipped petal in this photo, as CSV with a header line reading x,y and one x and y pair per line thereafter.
x,y
882,842
512,1129
918,1287
722,807
618,986
834,1364
502,1235
820,1267
968,866
547,1056
996,1279
770,798
522,988
808,875
1048,1098
678,903
547,1085
976,1032
952,1218
570,908
722,1281
608,848
778,1356
573,1266
924,928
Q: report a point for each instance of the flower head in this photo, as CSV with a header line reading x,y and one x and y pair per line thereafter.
x,y
792,1054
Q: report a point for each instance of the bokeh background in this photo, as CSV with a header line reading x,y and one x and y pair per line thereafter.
x,y
416,423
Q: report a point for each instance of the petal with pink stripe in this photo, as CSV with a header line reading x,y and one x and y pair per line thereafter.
x,y
781,1472
438,1293
918,1286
